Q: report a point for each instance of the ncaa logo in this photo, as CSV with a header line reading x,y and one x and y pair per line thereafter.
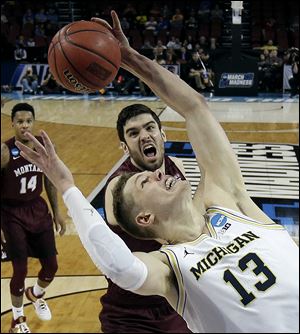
x,y
218,220
15,152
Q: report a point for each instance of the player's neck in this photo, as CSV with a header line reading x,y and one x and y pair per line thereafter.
x,y
186,227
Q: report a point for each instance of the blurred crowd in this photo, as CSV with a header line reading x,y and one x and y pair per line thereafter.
x,y
182,33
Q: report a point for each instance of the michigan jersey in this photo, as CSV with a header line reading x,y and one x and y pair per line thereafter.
x,y
244,277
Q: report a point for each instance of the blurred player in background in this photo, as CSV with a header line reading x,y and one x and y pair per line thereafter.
x,y
26,222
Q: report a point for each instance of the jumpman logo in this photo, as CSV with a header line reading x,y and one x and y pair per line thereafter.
x,y
186,252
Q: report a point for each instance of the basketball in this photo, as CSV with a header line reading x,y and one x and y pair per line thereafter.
x,y
84,57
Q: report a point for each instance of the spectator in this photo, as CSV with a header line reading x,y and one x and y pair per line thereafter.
x,y
147,45
52,17
125,82
204,10
28,17
177,20
203,43
191,23
160,45
20,54
163,24
140,21
49,29
29,82
270,71
294,80
160,60
165,11
21,41
151,24
189,43
50,86
183,56
269,46
40,16
262,68
125,24
276,64
206,72
173,43
171,57
194,68
30,42
39,30
158,52
3,17
213,43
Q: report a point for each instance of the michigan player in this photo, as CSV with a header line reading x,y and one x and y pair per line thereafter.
x,y
225,266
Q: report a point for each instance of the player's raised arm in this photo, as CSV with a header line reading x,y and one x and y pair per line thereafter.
x,y
107,250
214,154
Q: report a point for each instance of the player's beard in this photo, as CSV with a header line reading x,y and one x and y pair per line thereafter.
x,y
143,164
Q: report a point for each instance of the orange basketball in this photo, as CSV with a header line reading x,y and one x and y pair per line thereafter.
x,y
84,56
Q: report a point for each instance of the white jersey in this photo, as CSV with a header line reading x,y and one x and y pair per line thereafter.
x,y
242,278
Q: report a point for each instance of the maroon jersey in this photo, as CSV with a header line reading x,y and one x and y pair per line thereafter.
x,y
21,181
118,304
21,188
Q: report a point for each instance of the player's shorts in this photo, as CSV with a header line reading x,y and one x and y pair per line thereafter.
x,y
28,231
151,319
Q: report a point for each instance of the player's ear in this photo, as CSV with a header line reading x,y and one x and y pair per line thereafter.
x,y
124,147
145,219
164,136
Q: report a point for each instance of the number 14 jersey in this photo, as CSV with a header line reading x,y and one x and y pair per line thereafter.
x,y
21,181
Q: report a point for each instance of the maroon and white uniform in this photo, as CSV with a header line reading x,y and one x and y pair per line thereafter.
x,y
126,312
25,217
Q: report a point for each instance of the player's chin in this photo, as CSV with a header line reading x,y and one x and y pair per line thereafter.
x,y
23,136
151,163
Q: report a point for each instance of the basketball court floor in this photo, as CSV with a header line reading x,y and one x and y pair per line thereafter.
x,y
263,131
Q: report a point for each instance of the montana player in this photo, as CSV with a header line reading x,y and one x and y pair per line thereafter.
x,y
26,223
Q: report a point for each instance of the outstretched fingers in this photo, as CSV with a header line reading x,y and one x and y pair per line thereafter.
x,y
47,143
27,153
116,21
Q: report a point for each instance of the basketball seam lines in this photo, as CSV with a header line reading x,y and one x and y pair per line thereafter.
x,y
61,82
80,74
95,53
74,32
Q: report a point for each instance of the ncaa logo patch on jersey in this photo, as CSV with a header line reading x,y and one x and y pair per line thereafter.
x,y
218,220
15,152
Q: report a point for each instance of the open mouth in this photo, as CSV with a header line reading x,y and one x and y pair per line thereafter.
x,y
170,182
149,151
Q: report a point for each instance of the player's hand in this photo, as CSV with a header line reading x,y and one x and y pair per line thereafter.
x,y
48,161
60,224
116,29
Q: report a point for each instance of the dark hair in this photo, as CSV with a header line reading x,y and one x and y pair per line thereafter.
x,y
130,112
125,209
22,107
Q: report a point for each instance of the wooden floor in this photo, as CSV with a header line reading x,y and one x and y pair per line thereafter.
x,y
86,140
